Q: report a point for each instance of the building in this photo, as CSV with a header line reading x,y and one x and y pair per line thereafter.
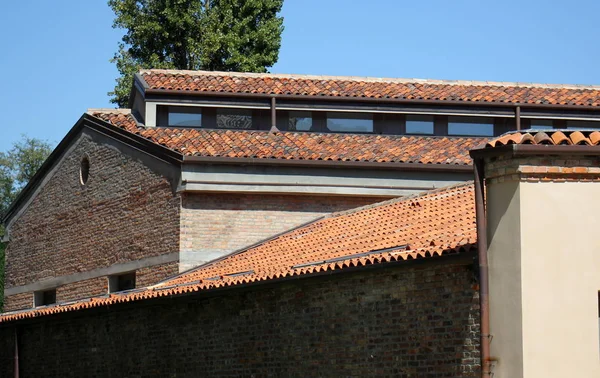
x,y
209,223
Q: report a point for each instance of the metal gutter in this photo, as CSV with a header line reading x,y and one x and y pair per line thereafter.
x,y
515,150
365,99
16,367
330,164
484,304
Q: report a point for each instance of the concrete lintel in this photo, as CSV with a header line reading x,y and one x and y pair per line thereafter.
x,y
109,270
298,189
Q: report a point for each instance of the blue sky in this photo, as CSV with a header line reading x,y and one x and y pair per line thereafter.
x,y
55,54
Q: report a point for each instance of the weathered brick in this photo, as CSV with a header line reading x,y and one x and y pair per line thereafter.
x,y
125,212
410,320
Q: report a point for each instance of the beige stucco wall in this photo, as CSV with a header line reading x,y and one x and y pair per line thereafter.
x,y
549,229
504,254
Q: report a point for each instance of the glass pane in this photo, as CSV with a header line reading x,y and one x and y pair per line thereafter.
x,y
350,122
583,125
300,121
541,124
470,126
234,119
182,119
416,124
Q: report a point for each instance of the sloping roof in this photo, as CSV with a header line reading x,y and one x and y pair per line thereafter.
x,y
302,146
436,223
548,137
370,88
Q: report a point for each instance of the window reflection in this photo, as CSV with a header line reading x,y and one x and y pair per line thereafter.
x,y
419,124
350,122
234,118
476,126
300,121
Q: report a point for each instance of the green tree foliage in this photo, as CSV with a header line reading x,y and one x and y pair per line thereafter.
x,y
17,167
222,35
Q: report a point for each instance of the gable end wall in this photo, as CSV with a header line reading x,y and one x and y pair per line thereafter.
x,y
127,211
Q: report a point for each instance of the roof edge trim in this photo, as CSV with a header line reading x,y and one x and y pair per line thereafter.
x,y
515,150
192,93
98,125
330,163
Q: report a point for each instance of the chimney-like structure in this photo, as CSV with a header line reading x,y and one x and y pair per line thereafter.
x,y
542,201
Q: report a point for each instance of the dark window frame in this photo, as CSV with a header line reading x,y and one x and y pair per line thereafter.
x,y
44,297
122,282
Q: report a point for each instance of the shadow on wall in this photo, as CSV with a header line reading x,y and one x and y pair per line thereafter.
x,y
411,320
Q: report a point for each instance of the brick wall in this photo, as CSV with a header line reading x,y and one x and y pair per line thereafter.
x,y
18,301
151,275
412,320
125,212
213,225
82,289
542,168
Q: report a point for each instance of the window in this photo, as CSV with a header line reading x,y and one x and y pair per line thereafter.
x,y
541,124
419,124
181,117
44,298
121,282
476,126
583,125
84,170
350,122
300,121
234,118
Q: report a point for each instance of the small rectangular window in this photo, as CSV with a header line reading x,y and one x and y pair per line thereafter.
x,y
583,125
541,124
44,298
300,121
121,282
419,124
185,118
349,122
475,126
234,118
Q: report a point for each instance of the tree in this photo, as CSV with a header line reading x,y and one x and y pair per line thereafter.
x,y
17,167
223,35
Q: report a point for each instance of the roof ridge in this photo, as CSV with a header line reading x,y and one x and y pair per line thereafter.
x,y
92,111
371,79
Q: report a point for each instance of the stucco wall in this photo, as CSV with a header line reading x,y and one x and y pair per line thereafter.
x,y
125,212
413,320
544,277
560,278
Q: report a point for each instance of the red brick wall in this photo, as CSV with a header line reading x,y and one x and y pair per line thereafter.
x,y
82,289
216,224
126,211
151,275
18,301
418,320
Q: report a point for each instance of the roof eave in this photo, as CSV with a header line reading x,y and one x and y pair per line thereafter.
x,y
458,168
179,92
515,150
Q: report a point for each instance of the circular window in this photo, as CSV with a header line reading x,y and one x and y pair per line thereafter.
x,y
84,170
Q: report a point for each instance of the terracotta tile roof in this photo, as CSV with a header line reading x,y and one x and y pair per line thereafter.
x,y
548,137
376,88
433,224
303,146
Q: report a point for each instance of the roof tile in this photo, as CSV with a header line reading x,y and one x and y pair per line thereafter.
x,y
433,224
375,88
303,146
551,137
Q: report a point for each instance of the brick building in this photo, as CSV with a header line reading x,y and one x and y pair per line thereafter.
x,y
265,225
